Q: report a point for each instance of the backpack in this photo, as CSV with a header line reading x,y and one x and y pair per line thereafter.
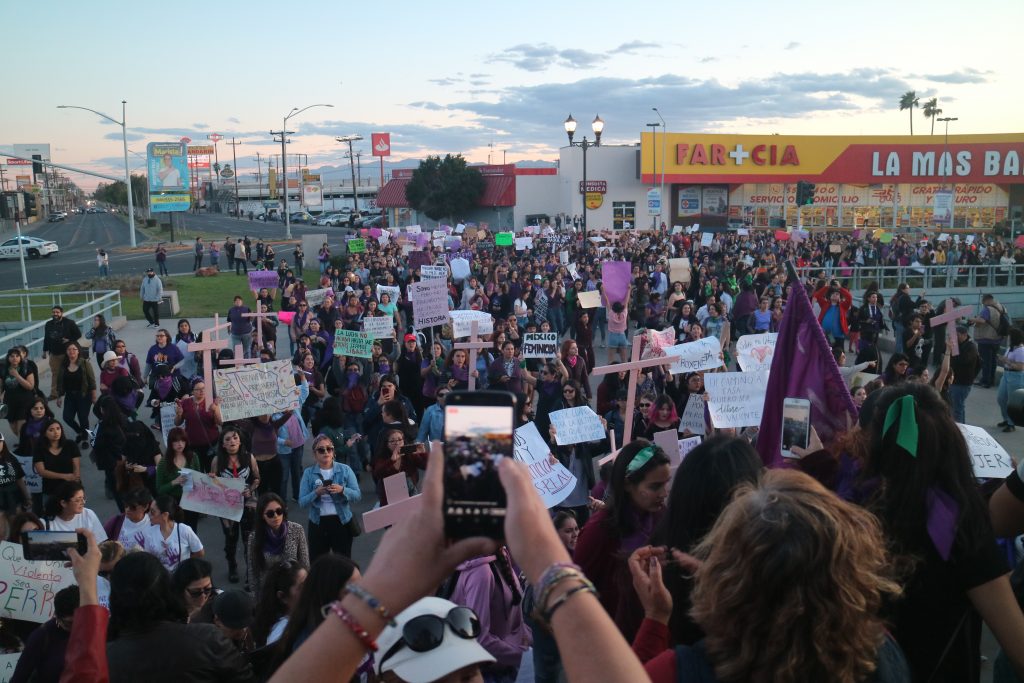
x,y
1003,327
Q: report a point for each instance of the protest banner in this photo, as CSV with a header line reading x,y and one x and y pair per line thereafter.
x,y
615,275
551,479
462,322
574,272
428,272
589,299
658,341
357,245
679,270
429,303
418,259
540,345
523,243
166,421
692,420
576,425
485,245
8,663
755,351
352,343
563,258
452,243
688,444
379,327
315,297
736,399
413,229
262,278
439,233
460,228
460,269
257,389
286,317
504,239
703,354
438,243
675,448
27,588
392,291
217,496
33,480
989,459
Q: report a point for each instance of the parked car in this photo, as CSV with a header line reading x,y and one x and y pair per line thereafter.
x,y
55,218
334,219
33,246
374,222
300,217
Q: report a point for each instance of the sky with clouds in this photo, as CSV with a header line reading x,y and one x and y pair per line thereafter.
x,y
459,76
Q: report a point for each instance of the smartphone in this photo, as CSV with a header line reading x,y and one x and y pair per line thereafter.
x,y
796,425
411,448
52,545
478,429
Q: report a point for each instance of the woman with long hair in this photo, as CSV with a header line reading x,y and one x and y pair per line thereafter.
x,y
110,445
177,456
897,370
14,495
278,595
661,415
327,578
66,511
102,337
167,538
56,459
327,489
273,540
21,523
19,385
193,580
635,502
233,461
829,580
200,420
391,457
458,371
576,365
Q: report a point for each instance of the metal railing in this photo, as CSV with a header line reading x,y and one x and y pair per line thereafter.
x,y
79,306
927,277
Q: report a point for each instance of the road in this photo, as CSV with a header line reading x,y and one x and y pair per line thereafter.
x,y
80,236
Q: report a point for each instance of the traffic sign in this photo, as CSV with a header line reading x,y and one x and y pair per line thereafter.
x,y
653,202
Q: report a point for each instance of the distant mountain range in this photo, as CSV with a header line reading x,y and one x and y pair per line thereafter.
x,y
372,167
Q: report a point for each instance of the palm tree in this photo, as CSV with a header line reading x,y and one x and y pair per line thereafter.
x,y
931,110
909,101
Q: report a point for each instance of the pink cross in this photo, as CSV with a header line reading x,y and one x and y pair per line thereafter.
x,y
209,344
400,504
949,318
239,358
260,315
473,345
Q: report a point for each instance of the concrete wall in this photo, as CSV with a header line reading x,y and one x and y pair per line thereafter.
x,y
616,164
536,194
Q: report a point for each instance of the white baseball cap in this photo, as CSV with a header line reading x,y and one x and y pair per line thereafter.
x,y
454,652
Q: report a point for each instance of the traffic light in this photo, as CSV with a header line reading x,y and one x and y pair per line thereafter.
x,y
804,193
30,204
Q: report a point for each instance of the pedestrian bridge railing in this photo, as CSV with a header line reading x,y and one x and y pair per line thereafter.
x,y
26,314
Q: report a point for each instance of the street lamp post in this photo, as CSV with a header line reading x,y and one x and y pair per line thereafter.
x,y
127,173
570,129
664,143
654,140
949,170
284,133
352,166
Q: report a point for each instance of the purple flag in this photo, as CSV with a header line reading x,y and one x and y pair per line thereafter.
x,y
615,276
803,367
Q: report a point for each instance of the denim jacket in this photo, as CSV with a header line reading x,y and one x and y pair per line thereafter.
x,y
343,475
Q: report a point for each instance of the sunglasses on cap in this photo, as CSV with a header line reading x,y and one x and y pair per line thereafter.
x,y
426,632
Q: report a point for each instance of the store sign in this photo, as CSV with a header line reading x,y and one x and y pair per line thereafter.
x,y
18,162
594,200
200,150
381,143
594,186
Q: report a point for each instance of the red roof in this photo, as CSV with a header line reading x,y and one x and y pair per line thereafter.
x,y
499,190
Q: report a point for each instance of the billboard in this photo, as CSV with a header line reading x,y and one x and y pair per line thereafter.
x,y
168,176
312,196
381,143
689,201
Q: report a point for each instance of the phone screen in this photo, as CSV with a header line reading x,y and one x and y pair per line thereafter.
x,y
476,438
50,545
796,424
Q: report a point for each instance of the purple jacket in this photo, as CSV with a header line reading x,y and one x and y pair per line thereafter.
x,y
502,631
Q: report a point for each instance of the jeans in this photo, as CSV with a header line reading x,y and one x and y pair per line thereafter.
x,y
556,316
241,265
76,412
246,342
330,535
897,332
55,360
104,271
1011,381
958,394
197,263
298,267
988,362
151,309
291,470
162,267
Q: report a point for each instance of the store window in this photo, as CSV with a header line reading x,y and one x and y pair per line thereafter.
x,y
622,213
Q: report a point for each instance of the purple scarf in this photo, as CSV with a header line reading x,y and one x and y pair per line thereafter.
x,y
273,543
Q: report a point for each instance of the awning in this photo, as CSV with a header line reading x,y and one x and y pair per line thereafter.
x,y
499,190
392,195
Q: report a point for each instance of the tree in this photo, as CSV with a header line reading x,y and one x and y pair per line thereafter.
x,y
113,193
444,188
909,101
931,110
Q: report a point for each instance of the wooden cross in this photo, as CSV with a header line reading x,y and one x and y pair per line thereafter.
x,y
259,315
949,318
209,344
400,505
473,345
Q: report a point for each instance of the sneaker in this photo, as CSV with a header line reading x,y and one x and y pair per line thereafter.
x,y
1009,428
1004,423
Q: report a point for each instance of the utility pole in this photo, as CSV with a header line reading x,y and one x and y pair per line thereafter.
x,y
234,162
259,177
352,165
283,134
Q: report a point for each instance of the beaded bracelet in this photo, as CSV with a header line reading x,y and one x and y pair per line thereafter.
x,y
588,587
546,574
376,605
551,580
346,617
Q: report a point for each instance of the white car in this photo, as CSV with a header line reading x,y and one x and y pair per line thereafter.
x,y
34,247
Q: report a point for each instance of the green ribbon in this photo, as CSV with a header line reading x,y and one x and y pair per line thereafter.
x,y
641,458
902,413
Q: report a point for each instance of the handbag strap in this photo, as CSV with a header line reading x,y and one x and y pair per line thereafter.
x,y
949,645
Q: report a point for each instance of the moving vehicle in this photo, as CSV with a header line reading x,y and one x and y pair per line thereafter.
x,y
33,246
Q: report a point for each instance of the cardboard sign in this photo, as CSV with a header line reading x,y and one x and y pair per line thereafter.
x,y
538,345
736,398
217,496
462,323
755,351
429,303
166,421
675,448
563,258
392,291
706,239
576,425
33,480
688,444
379,327
315,297
27,588
679,270
590,299
429,272
8,663
257,389
352,343
692,420
989,459
262,278
552,480
703,354
523,243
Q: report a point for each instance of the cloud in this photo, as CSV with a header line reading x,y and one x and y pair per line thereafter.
x,y
541,56
962,77
429,106
634,46
200,126
444,81
232,119
792,45
129,136
708,60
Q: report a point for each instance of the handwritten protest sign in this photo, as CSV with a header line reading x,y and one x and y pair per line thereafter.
x,y
736,398
33,480
552,480
576,425
393,292
27,588
989,459
220,496
523,243
658,341
504,239
418,259
257,389
755,351
379,327
315,297
428,272
429,303
590,299
8,663
357,246
706,239
262,278
688,444
702,354
679,270
166,421
692,420
563,258
540,345
352,343
675,448
462,322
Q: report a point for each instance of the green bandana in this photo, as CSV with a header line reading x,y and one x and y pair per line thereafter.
x,y
903,414
642,457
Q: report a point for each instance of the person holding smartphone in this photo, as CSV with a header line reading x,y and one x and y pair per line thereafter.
x,y
326,490
395,455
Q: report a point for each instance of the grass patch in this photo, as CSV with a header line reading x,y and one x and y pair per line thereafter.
x,y
161,234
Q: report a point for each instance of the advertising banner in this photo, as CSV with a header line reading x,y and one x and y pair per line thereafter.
x,y
689,201
381,143
312,196
167,164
